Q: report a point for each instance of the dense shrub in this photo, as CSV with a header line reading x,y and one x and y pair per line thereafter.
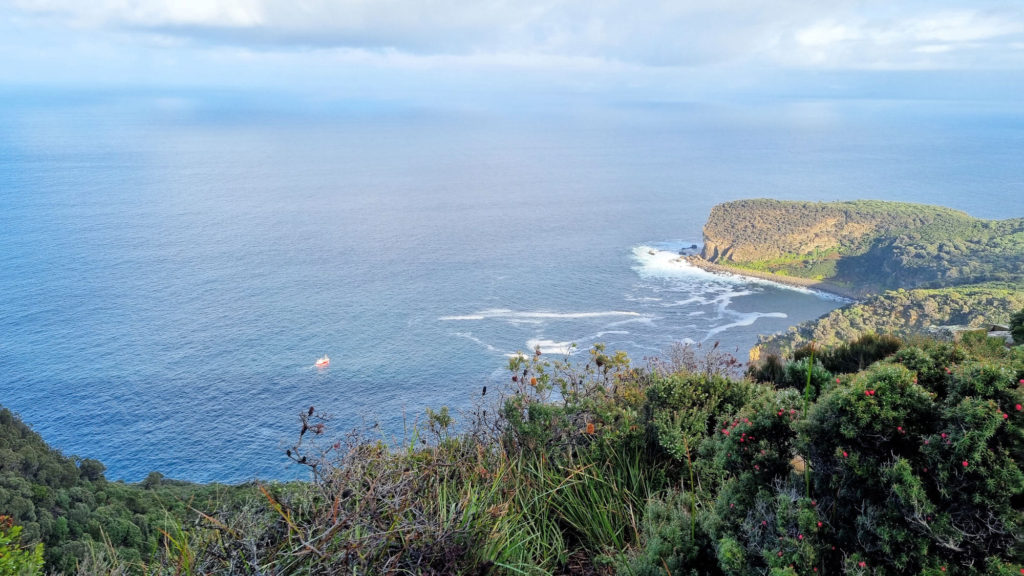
x,y
849,357
916,463
908,466
16,560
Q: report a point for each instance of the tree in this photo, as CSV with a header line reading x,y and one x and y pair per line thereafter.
x,y
1017,327
91,470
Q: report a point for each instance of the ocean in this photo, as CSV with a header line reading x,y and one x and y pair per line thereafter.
x,y
172,265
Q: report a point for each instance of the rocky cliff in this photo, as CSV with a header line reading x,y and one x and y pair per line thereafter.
x,y
913,265
866,246
759,230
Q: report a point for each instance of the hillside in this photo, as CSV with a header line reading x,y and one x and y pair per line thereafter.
x,y
905,312
67,504
866,246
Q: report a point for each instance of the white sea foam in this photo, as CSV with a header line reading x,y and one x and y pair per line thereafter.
x,y
743,320
469,336
641,299
551,347
659,262
663,259
514,316
647,320
604,333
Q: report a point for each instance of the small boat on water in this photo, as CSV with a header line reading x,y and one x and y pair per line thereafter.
x,y
323,361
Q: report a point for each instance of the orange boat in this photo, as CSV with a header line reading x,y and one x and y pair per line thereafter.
x,y
323,362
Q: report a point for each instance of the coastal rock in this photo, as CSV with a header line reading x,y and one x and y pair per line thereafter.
x,y
762,229
867,246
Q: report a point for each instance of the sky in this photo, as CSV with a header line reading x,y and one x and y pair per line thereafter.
x,y
677,50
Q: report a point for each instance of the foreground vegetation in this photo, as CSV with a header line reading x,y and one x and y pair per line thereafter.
x,y
872,456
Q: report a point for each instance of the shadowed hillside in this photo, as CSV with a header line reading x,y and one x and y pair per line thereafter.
x,y
906,312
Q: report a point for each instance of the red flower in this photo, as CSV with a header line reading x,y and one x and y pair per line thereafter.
x,y
819,524
845,454
1018,407
837,380
725,431
862,564
965,463
1005,416
800,537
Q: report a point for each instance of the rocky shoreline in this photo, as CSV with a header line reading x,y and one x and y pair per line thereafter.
x,y
821,285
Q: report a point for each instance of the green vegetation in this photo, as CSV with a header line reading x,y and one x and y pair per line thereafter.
x,y
68,506
1017,327
14,559
851,444
876,455
906,312
870,246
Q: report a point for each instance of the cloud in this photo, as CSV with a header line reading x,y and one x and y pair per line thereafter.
x,y
594,42
947,39
216,13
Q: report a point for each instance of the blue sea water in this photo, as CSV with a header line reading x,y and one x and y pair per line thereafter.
x,y
172,266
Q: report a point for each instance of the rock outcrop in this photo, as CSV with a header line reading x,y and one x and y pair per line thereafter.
x,y
758,230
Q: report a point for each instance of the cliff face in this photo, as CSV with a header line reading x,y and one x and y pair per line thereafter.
x,y
866,245
757,230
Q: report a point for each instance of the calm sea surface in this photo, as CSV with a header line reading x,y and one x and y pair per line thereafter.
x,y
171,267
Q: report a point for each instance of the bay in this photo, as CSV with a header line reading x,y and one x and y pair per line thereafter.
x,y
171,265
